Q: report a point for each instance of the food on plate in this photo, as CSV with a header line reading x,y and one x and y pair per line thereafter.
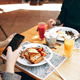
x,y
34,54
69,33
59,32
32,50
63,34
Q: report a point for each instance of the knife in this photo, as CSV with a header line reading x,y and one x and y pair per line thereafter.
x,y
54,68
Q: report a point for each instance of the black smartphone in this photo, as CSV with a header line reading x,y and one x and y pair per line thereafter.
x,y
15,42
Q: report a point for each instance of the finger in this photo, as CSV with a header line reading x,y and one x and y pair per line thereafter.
x,y
18,49
51,20
11,36
53,23
9,49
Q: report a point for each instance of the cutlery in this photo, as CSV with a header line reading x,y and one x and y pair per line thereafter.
x,y
78,36
54,68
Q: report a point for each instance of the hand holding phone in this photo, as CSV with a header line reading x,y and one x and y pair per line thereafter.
x,y
14,43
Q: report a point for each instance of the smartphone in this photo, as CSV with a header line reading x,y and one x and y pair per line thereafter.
x,y
15,42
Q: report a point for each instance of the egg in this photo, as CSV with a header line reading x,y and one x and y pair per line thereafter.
x,y
59,32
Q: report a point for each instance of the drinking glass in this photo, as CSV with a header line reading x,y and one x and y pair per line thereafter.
x,y
41,29
68,47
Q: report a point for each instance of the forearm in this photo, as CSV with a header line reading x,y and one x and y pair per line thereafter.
x,y
3,44
6,42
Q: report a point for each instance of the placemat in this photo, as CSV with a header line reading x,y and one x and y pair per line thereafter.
x,y
42,72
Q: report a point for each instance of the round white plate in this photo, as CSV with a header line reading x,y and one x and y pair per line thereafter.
x,y
63,29
25,62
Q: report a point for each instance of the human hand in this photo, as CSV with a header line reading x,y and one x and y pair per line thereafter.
x,y
79,34
9,39
12,58
51,23
6,42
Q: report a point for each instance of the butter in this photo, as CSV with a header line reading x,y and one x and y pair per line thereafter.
x,y
32,50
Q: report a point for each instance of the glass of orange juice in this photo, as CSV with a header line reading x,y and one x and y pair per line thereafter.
x,y
68,47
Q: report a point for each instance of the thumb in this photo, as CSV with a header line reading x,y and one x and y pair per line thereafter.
x,y
9,49
18,49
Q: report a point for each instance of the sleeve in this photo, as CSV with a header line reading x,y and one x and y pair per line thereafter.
x,y
62,14
10,76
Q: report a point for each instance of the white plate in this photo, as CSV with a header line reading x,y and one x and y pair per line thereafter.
x,y
63,29
27,63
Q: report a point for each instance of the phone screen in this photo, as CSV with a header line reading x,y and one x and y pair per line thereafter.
x,y
15,42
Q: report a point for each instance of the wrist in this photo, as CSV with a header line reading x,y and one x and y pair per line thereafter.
x,y
57,22
9,67
7,41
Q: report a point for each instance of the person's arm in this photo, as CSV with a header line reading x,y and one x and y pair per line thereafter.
x,y
63,13
11,59
52,23
6,42
2,44
10,76
62,16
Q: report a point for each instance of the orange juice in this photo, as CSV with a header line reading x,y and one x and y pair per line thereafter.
x,y
68,47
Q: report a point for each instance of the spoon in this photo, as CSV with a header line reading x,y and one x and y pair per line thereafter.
x,y
54,68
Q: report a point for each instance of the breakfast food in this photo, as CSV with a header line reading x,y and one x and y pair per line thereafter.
x,y
59,32
34,54
69,33
62,34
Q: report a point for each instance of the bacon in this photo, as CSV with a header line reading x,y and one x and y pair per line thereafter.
x,y
22,54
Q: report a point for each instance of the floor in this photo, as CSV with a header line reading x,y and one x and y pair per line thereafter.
x,y
17,18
